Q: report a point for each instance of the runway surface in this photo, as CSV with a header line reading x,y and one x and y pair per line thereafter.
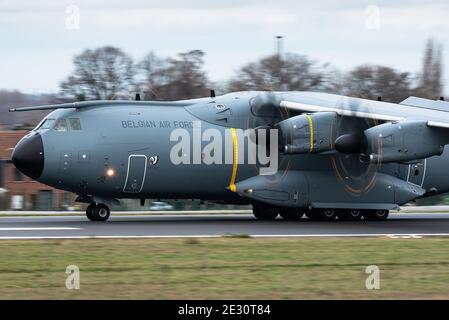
x,y
121,226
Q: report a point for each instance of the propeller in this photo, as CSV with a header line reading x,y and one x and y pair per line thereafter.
x,y
346,133
351,163
264,113
350,143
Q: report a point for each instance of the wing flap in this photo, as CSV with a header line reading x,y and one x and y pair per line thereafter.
x,y
426,103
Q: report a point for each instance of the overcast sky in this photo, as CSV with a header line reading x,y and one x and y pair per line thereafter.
x,y
38,38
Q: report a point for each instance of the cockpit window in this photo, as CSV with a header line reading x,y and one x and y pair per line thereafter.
x,y
47,124
60,125
75,124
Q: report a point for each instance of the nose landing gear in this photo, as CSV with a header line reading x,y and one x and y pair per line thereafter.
x,y
98,212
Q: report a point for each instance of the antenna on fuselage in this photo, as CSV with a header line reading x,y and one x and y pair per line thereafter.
x,y
212,93
137,96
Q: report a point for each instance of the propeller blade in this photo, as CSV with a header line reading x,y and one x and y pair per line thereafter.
x,y
349,143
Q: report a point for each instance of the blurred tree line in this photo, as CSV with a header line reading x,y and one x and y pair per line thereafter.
x,y
110,73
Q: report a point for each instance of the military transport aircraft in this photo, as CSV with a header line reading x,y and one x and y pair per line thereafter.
x,y
329,156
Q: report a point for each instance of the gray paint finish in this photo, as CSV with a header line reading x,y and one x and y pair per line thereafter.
x,y
124,136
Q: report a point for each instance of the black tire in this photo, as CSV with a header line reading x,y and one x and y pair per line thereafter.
x,y
322,214
375,215
327,214
309,214
101,212
265,212
90,212
290,213
350,215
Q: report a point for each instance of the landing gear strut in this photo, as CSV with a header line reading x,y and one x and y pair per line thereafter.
x,y
98,212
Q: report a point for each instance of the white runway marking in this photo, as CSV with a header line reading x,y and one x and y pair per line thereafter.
x,y
390,235
38,228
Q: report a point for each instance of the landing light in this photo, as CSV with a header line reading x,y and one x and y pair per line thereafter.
x,y
110,172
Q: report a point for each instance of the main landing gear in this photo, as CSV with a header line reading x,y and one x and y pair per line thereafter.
x,y
266,212
98,212
375,215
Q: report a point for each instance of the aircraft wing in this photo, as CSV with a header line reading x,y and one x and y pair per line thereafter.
x,y
426,103
404,132
86,104
302,107
435,113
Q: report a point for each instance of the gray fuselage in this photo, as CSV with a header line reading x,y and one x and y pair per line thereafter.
x,y
124,151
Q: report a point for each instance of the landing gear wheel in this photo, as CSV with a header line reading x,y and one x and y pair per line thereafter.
x,y
97,212
322,214
375,215
90,212
350,215
101,212
327,214
264,212
309,214
290,213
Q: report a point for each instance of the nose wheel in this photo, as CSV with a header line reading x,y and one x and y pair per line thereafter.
x,y
98,212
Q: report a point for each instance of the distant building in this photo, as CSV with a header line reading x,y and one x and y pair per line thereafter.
x,y
18,192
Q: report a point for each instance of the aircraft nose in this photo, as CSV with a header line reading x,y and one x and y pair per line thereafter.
x,y
28,156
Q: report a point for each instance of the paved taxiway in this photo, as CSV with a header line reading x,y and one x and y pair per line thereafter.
x,y
130,226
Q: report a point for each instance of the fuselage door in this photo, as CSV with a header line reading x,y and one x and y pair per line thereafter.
x,y
135,176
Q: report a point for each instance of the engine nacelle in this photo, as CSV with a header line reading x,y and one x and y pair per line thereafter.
x,y
308,133
404,141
